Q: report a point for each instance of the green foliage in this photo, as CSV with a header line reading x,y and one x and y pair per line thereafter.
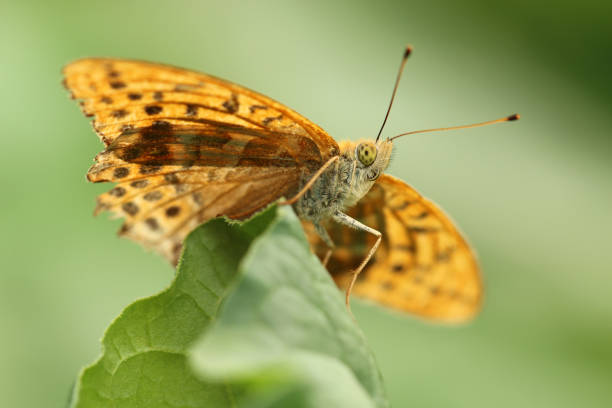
x,y
251,320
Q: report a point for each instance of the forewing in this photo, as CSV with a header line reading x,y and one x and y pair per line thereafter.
x,y
423,266
122,94
187,147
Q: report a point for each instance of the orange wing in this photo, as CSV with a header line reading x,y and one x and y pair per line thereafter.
x,y
423,265
187,147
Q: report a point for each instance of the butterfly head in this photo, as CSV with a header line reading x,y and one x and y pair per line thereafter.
x,y
366,161
372,158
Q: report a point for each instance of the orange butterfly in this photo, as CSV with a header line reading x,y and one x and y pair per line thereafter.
x,y
185,147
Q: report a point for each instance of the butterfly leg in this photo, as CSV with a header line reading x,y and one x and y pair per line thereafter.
x,y
327,256
328,241
312,180
344,219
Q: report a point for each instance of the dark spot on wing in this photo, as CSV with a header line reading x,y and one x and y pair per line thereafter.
x,y
106,100
119,113
232,104
402,206
197,198
386,285
117,84
444,256
153,109
152,223
269,119
130,153
158,151
117,192
130,208
134,96
139,183
191,110
398,268
173,211
124,229
181,188
147,169
171,178
121,172
421,230
153,195
113,74
253,108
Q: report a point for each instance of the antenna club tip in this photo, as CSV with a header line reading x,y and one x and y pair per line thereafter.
x,y
407,51
516,116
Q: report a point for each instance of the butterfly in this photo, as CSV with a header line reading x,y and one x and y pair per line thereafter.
x,y
185,147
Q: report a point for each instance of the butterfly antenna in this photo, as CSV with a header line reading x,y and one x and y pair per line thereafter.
x,y
407,53
510,118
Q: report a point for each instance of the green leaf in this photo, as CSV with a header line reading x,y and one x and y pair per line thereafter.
x,y
144,350
284,333
282,337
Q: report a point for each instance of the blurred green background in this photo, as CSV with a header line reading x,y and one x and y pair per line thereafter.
x,y
534,196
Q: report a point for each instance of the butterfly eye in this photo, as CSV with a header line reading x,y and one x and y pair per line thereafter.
x,y
366,153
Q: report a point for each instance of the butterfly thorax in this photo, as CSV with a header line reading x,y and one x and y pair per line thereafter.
x,y
345,182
